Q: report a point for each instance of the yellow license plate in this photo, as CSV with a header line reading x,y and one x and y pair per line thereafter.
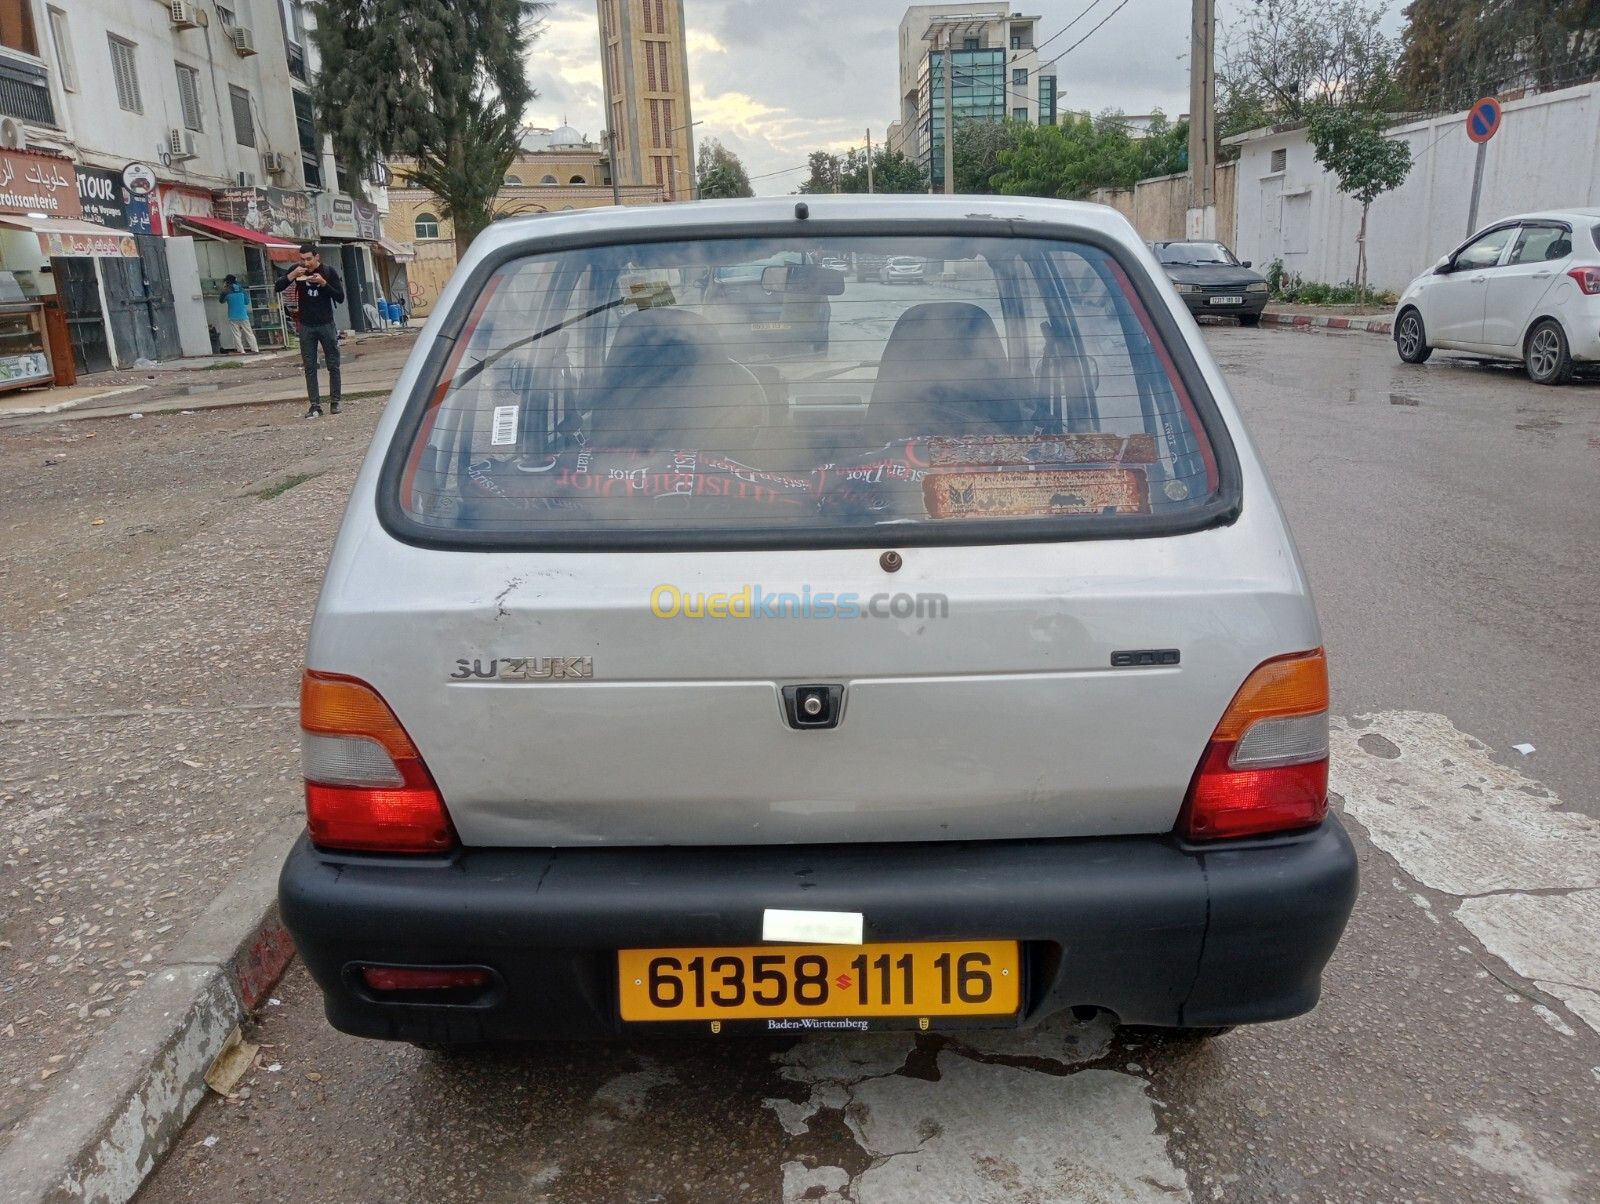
x,y
961,978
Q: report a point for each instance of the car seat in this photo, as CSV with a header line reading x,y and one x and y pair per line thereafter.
x,y
667,383
943,372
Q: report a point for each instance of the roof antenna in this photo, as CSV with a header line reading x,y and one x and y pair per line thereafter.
x,y
802,210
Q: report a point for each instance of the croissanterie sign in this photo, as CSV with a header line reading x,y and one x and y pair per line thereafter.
x,y
33,183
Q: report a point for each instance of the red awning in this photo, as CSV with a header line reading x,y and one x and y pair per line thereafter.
x,y
215,227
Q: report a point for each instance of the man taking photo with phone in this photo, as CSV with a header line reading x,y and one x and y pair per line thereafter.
x,y
319,290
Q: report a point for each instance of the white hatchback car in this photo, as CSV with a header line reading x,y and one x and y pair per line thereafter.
x,y
954,671
1527,289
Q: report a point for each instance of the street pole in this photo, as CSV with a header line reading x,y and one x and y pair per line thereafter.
x,y
672,160
949,114
1202,120
869,160
1477,189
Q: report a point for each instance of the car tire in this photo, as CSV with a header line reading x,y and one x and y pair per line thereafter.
x,y
1411,338
1547,356
1249,319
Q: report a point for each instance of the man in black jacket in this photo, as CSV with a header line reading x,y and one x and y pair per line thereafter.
x,y
319,290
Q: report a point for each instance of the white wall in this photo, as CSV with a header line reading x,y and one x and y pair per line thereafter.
x,y
1546,156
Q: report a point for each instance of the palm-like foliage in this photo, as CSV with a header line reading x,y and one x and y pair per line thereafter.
x,y
443,81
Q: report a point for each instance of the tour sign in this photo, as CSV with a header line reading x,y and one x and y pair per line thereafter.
x,y
1483,119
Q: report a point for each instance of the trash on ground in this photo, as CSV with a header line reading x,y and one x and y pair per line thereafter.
x,y
230,1065
1524,749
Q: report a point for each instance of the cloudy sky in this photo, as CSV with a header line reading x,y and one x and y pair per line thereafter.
x,y
777,79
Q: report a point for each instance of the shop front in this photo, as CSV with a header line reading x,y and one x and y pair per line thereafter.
x,y
46,247
347,230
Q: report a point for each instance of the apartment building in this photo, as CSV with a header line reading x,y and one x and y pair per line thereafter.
x,y
179,146
645,64
995,70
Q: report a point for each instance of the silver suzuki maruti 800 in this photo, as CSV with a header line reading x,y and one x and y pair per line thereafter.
x,y
718,641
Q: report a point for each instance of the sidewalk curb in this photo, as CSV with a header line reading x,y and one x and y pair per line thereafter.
x,y
1383,326
120,1109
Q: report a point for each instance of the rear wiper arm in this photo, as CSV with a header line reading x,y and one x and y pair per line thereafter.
x,y
466,377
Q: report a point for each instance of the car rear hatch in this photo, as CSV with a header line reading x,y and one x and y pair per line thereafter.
x,y
1021,615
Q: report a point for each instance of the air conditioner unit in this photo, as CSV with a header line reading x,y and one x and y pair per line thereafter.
x,y
275,163
184,15
243,40
180,146
12,135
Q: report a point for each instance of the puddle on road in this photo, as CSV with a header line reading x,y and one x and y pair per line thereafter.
x,y
984,1115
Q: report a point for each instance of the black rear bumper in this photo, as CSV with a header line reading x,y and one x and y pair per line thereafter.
x,y
1157,931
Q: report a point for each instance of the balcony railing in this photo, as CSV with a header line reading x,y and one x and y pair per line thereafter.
x,y
25,91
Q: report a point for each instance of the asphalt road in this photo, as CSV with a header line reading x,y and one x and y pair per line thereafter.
x,y
1447,517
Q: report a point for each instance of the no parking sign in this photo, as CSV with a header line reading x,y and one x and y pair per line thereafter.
x,y
1483,120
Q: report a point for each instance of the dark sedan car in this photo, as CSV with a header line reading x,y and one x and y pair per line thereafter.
x,y
1211,281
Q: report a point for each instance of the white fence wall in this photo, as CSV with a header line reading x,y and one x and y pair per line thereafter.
x,y
1546,156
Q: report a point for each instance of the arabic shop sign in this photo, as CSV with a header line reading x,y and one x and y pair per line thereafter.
x,y
31,183
340,216
109,201
268,210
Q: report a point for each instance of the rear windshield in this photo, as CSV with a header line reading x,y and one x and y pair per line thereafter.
x,y
754,386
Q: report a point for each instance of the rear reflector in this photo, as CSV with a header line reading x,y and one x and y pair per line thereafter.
x,y
1265,768
394,978
367,788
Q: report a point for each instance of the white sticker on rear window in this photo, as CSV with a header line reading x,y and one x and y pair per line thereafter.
x,y
505,426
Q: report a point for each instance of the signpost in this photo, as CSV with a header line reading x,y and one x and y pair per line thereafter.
x,y
1483,122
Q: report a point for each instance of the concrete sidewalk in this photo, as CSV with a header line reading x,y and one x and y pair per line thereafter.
x,y
369,364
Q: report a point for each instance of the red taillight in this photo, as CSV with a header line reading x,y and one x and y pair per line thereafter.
x,y
1265,768
367,788
1588,280
395,978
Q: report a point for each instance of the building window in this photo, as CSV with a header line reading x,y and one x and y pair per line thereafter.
x,y
1019,77
189,97
972,44
225,15
426,226
577,180
661,14
650,66
649,19
126,74
661,67
306,132
63,41
1047,100
16,26
1280,159
548,181
244,128
1019,114
655,123
513,181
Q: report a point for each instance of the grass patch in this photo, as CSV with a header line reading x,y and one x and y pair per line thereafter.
x,y
283,486
222,365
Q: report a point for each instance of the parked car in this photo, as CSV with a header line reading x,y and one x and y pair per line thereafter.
x,y
1211,280
901,269
772,323
635,703
1527,288
837,265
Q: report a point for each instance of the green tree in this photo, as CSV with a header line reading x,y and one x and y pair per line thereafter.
x,y
1352,146
891,172
719,172
1079,154
1288,56
1454,51
441,81
977,153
